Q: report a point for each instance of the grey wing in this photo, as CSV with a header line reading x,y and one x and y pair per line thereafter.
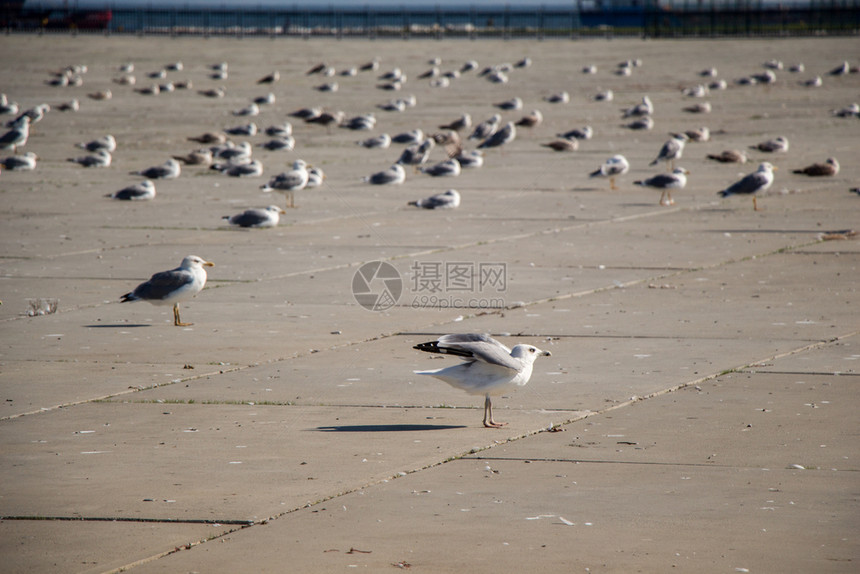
x,y
383,177
661,181
249,218
749,184
483,348
434,201
162,284
287,181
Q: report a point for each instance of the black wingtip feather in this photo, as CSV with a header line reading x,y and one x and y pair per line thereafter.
x,y
433,347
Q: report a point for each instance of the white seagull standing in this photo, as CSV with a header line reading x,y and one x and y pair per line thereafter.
x,y
612,168
489,367
171,287
671,150
755,183
666,182
289,181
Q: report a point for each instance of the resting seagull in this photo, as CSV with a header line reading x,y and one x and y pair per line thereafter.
x,y
489,367
265,217
448,200
171,287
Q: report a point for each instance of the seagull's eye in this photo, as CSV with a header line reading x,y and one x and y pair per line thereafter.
x,y
532,349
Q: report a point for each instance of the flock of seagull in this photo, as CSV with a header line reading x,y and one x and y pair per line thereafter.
x,y
487,366
463,142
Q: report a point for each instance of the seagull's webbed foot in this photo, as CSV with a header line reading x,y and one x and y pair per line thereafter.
x,y
488,415
176,320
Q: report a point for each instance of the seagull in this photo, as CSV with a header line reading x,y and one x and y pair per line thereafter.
x,y
850,111
505,135
417,154
235,153
382,141
265,217
510,105
17,136
270,78
210,137
612,168
100,158
315,177
563,144
464,122
253,168
107,143
604,96
488,367
289,181
701,134
671,150
171,287
202,156
700,108
729,156
666,182
530,120
280,130
410,137
646,108
364,122
142,191
470,159
585,133
393,175
286,143
752,184
25,162
840,70
448,168
486,128
559,98
168,170
245,130
779,144
448,200
828,168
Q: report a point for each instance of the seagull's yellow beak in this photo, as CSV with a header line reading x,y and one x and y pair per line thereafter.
x,y
208,264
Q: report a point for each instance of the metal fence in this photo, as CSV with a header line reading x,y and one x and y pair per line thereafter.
x,y
639,18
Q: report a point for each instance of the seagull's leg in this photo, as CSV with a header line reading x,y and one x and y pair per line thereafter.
x,y
176,321
612,184
669,200
663,198
292,200
488,415
755,204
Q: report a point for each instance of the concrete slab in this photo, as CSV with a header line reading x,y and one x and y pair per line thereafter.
x,y
704,490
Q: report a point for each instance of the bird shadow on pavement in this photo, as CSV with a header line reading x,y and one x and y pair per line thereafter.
x,y
118,325
387,428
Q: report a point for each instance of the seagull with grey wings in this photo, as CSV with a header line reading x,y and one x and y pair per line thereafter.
x,y
488,367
